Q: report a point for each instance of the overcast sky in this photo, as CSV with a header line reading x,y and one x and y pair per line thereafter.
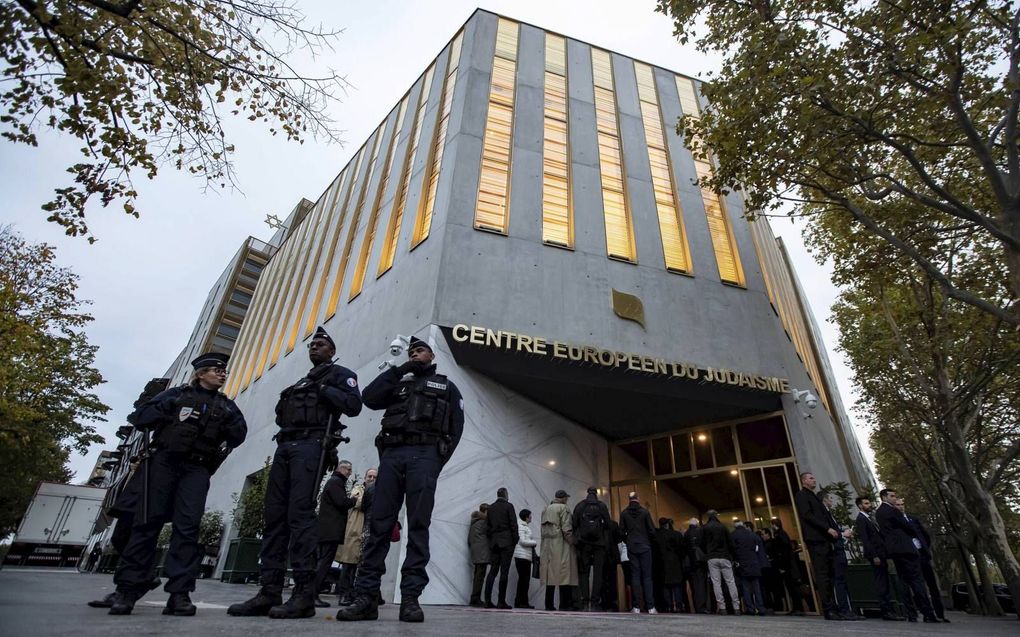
x,y
148,278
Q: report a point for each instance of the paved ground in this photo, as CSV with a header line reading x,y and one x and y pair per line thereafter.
x,y
36,603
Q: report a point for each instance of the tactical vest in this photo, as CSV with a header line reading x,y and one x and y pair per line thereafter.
x,y
184,434
300,407
423,407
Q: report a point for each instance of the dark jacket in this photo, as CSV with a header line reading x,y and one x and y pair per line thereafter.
x,y
161,411
478,543
897,532
333,507
716,541
338,391
389,391
638,530
814,519
872,541
781,552
745,552
501,525
599,511
669,546
921,534
695,556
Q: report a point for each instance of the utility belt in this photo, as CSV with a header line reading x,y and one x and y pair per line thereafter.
x,y
210,460
402,439
290,435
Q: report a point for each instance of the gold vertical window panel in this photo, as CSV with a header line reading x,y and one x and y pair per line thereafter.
x,y
352,227
423,223
671,225
389,249
616,209
261,351
492,208
313,314
723,241
358,280
557,217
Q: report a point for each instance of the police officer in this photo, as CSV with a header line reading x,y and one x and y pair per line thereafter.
x,y
304,412
196,426
421,427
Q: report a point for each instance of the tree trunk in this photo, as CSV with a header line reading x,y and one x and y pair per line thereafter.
x,y
974,601
990,603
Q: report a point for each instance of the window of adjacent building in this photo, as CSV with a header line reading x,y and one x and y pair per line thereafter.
x,y
723,241
671,226
492,209
389,248
358,280
423,224
557,217
615,208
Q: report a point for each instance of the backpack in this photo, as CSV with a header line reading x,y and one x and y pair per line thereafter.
x,y
591,523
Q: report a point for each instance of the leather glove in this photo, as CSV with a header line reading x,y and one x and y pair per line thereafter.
x,y
406,368
418,367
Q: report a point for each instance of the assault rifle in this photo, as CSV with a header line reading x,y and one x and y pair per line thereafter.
x,y
152,389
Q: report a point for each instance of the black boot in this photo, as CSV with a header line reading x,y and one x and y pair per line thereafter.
x,y
268,596
180,605
105,602
410,611
300,605
364,607
321,603
123,602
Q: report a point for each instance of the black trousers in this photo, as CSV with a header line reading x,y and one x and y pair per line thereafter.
x,y
345,583
697,577
290,512
501,558
177,491
880,572
523,581
327,551
933,588
792,583
477,581
411,472
909,569
566,597
122,532
590,557
823,566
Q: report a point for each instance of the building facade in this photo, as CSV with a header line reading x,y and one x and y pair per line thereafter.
x,y
528,209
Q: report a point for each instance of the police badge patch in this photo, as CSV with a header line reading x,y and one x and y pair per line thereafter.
x,y
185,413
352,382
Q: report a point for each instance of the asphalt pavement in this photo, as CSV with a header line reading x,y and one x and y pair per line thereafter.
x,y
41,602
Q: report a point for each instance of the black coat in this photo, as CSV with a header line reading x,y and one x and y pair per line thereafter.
x,y
872,541
745,552
637,527
716,541
333,507
780,551
814,519
669,546
501,525
602,515
897,532
695,555
921,534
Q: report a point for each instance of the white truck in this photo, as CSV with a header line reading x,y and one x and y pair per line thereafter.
x,y
56,526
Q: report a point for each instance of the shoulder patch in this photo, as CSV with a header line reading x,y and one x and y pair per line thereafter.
x,y
352,382
462,404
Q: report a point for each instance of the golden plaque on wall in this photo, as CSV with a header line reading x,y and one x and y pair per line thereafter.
x,y
628,306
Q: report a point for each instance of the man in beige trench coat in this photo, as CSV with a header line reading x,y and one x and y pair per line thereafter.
x,y
349,553
558,562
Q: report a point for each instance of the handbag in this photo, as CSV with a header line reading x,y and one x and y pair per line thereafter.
x,y
536,568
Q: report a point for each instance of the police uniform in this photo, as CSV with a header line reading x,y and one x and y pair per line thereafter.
x,y
421,427
303,413
194,430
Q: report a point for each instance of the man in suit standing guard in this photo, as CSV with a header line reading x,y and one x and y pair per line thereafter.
x,y
819,536
874,551
902,546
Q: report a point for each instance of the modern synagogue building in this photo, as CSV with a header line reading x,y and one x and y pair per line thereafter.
x,y
528,209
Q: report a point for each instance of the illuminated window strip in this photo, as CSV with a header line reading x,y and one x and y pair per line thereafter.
x,y
352,227
396,214
557,214
244,338
615,205
671,226
423,224
260,351
373,219
313,314
492,209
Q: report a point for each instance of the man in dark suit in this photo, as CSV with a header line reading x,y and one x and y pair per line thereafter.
x,y
902,546
874,551
819,535
927,571
334,503
501,529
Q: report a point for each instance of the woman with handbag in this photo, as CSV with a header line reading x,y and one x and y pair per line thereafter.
x,y
523,553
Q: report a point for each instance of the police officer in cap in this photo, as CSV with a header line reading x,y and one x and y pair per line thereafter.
x,y
421,427
304,412
196,426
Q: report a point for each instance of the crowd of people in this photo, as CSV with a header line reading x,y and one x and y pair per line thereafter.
x,y
703,568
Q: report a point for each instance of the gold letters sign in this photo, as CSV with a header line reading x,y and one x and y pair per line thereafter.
x,y
514,342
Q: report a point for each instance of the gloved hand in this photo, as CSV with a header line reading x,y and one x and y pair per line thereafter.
x,y
406,368
418,367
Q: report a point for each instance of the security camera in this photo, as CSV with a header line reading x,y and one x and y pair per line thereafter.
x,y
398,345
811,400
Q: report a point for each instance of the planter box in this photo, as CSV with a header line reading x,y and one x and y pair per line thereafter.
x,y
860,580
242,562
161,552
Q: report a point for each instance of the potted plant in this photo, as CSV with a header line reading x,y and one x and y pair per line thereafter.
x,y
162,546
210,533
242,561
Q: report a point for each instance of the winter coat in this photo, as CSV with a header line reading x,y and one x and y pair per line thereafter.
x,y
745,552
695,557
350,551
525,545
636,524
501,525
558,565
334,503
478,543
716,541
669,545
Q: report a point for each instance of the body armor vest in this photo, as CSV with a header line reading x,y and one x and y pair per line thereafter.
x,y
195,425
300,407
423,407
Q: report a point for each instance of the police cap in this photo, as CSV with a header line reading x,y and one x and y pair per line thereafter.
x,y
417,342
210,359
321,333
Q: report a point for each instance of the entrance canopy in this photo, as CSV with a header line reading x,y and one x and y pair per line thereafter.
x,y
618,401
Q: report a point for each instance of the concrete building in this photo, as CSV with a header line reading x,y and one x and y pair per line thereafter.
x,y
528,210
